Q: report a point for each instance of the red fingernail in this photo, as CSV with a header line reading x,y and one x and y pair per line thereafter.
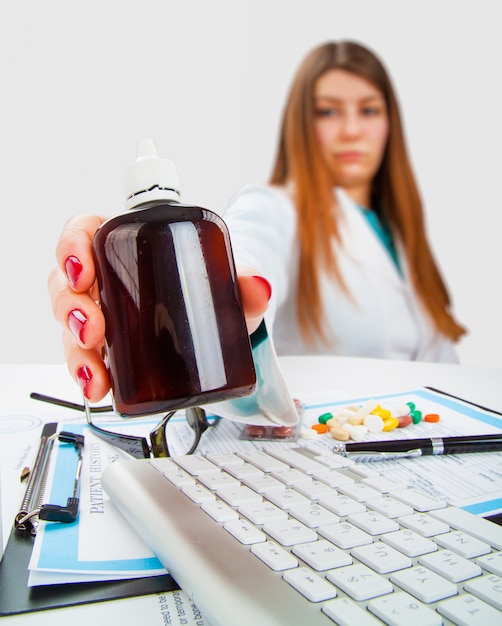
x,y
76,323
266,284
84,377
73,269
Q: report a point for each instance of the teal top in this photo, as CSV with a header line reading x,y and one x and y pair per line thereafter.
x,y
383,232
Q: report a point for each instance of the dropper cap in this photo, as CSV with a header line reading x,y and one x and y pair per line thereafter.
x,y
150,177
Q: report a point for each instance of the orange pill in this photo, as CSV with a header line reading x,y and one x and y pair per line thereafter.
x,y
320,428
431,417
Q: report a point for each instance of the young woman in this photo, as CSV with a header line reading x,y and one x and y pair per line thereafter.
x,y
339,231
336,241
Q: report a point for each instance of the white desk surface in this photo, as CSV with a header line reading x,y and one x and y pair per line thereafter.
x,y
356,377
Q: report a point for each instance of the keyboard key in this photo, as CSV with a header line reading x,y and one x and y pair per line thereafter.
x,y
313,515
390,507
373,523
334,461
424,584
342,505
322,555
488,588
492,562
296,460
263,483
290,532
466,610
215,480
287,498
312,586
292,476
219,511
245,532
463,544
197,493
165,465
274,556
195,464
238,495
262,512
346,613
345,535
409,543
359,492
314,489
225,460
450,565
262,460
365,470
180,478
424,524
359,582
242,471
381,557
401,609
333,478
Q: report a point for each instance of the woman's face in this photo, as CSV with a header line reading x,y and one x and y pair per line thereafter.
x,y
352,128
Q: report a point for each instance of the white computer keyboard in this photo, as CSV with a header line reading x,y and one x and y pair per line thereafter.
x,y
286,538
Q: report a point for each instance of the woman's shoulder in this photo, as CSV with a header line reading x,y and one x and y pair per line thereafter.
x,y
264,191
260,201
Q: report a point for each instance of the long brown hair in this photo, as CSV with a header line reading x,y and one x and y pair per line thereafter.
x,y
299,161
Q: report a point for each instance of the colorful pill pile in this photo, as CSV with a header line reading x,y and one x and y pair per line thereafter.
x,y
354,422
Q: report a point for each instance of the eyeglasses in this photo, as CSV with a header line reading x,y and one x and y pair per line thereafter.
x,y
138,446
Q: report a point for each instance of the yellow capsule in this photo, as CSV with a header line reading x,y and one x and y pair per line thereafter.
x,y
383,413
390,423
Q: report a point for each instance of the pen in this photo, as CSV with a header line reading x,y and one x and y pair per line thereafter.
x,y
399,448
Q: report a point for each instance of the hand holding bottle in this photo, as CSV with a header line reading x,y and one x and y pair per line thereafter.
x,y
75,300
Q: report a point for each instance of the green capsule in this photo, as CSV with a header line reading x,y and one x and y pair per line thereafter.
x,y
416,416
322,419
412,406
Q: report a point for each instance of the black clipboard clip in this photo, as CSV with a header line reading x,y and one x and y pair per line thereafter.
x,y
32,510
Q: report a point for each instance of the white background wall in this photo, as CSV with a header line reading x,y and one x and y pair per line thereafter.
x,y
207,79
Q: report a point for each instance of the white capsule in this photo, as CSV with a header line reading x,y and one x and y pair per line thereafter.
x,y
374,423
356,433
367,407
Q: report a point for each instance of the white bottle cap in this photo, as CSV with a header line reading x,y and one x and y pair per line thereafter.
x,y
150,177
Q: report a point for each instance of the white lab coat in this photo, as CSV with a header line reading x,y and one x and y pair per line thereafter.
x,y
384,318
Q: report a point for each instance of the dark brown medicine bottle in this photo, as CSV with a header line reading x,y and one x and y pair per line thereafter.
x,y
175,330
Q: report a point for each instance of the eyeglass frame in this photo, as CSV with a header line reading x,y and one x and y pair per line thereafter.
x,y
136,445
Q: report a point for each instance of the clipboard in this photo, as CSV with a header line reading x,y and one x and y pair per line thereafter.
x,y
17,597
